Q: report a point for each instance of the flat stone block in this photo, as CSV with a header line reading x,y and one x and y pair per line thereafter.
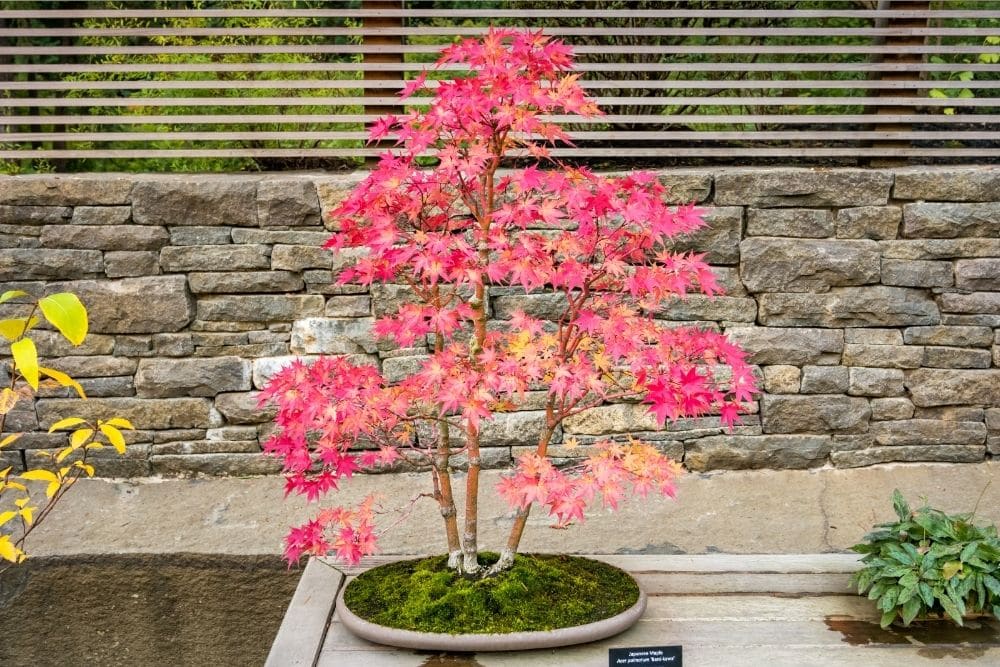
x,y
242,408
814,413
917,273
872,336
719,238
884,409
216,235
955,357
928,432
165,378
287,202
804,265
684,186
947,221
941,248
301,257
803,187
259,308
794,346
131,264
49,264
782,379
876,305
307,236
931,387
212,257
617,418
34,215
224,200
824,380
883,356
978,274
974,303
546,306
123,306
65,190
868,222
348,306
875,382
909,453
957,336
977,183
231,282
214,464
731,452
327,335
809,223
118,237
144,413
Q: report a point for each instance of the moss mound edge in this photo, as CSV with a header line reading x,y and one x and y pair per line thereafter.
x,y
540,592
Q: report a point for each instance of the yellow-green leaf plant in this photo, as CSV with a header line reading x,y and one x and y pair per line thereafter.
x,y
21,511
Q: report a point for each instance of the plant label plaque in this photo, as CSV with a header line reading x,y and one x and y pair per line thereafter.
x,y
645,656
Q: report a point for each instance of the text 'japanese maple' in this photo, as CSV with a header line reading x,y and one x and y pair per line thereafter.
x,y
599,245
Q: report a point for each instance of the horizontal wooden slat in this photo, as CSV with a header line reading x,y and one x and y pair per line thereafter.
x,y
383,84
677,135
463,30
68,68
869,78
638,119
845,100
645,49
615,152
465,12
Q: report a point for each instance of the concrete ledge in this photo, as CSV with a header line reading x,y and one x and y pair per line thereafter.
x,y
304,626
776,610
763,511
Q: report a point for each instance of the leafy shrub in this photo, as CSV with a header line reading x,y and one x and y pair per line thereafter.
x,y
20,511
929,562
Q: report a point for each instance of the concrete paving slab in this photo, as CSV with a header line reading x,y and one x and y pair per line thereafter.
x,y
771,627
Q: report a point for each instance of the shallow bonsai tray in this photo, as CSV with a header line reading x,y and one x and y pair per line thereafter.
x,y
774,610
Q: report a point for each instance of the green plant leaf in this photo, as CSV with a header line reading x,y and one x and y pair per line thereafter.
x,y
950,608
26,360
898,501
887,618
939,94
926,594
910,610
65,312
968,551
992,584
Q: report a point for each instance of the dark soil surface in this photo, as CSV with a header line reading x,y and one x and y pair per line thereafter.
x,y
143,610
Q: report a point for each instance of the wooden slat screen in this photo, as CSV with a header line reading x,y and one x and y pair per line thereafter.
x,y
94,85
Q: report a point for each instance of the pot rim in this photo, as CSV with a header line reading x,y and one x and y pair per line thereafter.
x,y
510,641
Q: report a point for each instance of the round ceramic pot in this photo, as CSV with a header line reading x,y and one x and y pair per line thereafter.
x,y
510,641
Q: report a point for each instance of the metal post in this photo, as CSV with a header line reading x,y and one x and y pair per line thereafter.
x,y
902,75
389,55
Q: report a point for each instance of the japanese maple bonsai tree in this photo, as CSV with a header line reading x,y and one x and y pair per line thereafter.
x,y
601,246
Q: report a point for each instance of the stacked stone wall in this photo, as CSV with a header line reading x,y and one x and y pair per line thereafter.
x,y
869,300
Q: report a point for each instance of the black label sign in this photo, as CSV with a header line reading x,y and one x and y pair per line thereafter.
x,y
644,656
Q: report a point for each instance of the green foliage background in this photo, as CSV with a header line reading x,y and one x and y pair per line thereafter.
x,y
130,115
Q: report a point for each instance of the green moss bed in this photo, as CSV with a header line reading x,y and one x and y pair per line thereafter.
x,y
540,592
